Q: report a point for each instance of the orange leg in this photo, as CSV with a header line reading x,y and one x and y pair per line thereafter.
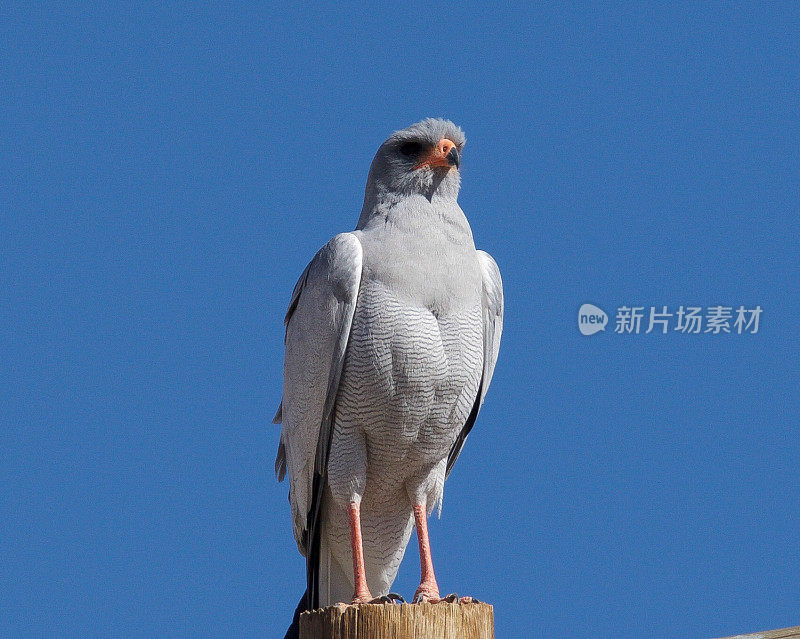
x,y
428,589
361,594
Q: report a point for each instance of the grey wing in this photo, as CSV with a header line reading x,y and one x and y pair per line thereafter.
x,y
317,329
492,330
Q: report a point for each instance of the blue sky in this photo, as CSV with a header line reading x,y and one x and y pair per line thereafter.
x,y
168,171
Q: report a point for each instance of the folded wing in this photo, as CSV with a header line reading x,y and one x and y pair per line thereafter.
x,y
317,329
492,330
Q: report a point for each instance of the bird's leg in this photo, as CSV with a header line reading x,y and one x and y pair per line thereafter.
x,y
362,593
428,589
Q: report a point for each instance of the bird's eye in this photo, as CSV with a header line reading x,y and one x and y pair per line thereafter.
x,y
411,148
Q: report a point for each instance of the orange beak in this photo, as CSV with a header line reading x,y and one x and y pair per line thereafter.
x,y
443,154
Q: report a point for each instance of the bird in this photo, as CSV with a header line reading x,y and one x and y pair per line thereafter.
x,y
391,338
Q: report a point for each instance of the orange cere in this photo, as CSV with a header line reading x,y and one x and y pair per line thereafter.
x,y
438,154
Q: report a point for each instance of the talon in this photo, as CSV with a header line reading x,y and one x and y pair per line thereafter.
x,y
426,593
422,598
392,597
363,598
454,598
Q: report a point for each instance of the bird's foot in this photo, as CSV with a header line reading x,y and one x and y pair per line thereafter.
x,y
428,592
362,597
454,598
392,597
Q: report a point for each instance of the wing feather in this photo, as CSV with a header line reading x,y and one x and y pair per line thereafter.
x,y
492,316
317,330
492,301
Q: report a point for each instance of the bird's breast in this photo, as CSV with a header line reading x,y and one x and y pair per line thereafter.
x,y
410,376
429,265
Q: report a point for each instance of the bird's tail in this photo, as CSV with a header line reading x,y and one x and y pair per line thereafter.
x,y
335,583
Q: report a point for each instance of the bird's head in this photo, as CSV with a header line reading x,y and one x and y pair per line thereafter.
x,y
421,159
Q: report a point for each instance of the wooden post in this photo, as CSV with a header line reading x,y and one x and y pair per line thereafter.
x,y
400,621
783,633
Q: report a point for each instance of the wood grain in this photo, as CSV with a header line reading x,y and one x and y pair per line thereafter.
x,y
404,621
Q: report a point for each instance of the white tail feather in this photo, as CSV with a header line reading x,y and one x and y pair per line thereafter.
x,y
335,582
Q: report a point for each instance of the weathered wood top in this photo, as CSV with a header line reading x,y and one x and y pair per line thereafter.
x,y
400,621
783,633
429,621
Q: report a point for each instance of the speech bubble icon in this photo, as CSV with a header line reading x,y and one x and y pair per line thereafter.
x,y
591,319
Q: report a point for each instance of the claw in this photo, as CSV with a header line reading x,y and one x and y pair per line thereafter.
x,y
392,597
454,598
422,597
